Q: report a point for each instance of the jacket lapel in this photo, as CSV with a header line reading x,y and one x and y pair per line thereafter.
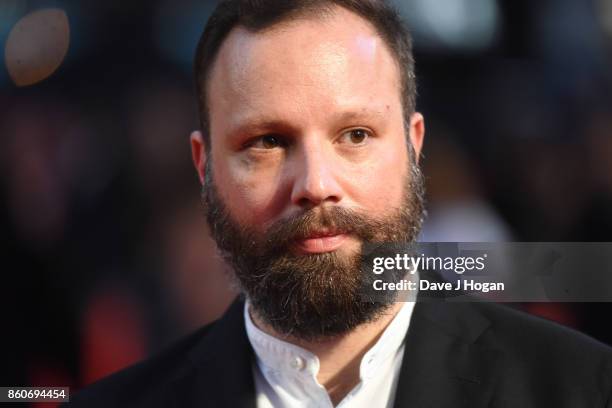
x,y
443,366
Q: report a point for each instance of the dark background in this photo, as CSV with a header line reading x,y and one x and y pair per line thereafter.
x,y
105,258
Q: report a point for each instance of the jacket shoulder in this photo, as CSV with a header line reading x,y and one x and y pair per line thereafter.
x,y
536,351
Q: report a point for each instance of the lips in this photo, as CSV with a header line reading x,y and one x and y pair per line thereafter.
x,y
321,241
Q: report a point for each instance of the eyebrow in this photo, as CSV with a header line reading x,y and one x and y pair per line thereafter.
x,y
261,124
264,123
362,114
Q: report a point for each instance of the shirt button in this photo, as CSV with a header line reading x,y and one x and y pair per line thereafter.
x,y
297,363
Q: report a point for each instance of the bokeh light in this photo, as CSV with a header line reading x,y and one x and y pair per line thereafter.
x,y
37,45
457,25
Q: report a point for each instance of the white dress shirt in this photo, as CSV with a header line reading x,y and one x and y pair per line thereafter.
x,y
286,375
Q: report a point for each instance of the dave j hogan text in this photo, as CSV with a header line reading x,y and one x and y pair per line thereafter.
x,y
464,285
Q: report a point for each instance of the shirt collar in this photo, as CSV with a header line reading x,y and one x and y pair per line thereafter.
x,y
290,360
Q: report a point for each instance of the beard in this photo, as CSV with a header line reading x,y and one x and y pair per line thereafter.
x,y
314,296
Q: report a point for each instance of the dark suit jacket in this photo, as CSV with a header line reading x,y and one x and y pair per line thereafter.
x,y
456,355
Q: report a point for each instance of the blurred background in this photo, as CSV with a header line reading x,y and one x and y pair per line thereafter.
x,y
105,256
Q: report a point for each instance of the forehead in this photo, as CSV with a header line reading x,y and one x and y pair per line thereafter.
x,y
314,63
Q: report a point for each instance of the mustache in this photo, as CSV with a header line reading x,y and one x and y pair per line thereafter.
x,y
336,219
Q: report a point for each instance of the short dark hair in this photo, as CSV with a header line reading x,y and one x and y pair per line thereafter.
x,y
258,15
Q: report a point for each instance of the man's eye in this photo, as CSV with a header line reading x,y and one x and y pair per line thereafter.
x,y
355,136
267,142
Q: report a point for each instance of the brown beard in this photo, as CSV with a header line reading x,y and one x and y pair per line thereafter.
x,y
313,296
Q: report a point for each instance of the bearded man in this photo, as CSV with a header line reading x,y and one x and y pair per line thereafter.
x,y
308,151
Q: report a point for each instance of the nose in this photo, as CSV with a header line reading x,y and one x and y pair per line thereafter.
x,y
315,180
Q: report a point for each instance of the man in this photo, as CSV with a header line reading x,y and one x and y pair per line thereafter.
x,y
308,151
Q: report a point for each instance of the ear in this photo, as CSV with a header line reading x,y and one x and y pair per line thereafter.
x,y
417,133
198,153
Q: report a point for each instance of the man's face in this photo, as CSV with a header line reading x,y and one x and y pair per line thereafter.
x,y
308,160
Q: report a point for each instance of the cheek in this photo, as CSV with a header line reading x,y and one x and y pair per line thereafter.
x,y
380,185
249,190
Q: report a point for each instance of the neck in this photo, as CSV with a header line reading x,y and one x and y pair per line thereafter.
x,y
339,357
